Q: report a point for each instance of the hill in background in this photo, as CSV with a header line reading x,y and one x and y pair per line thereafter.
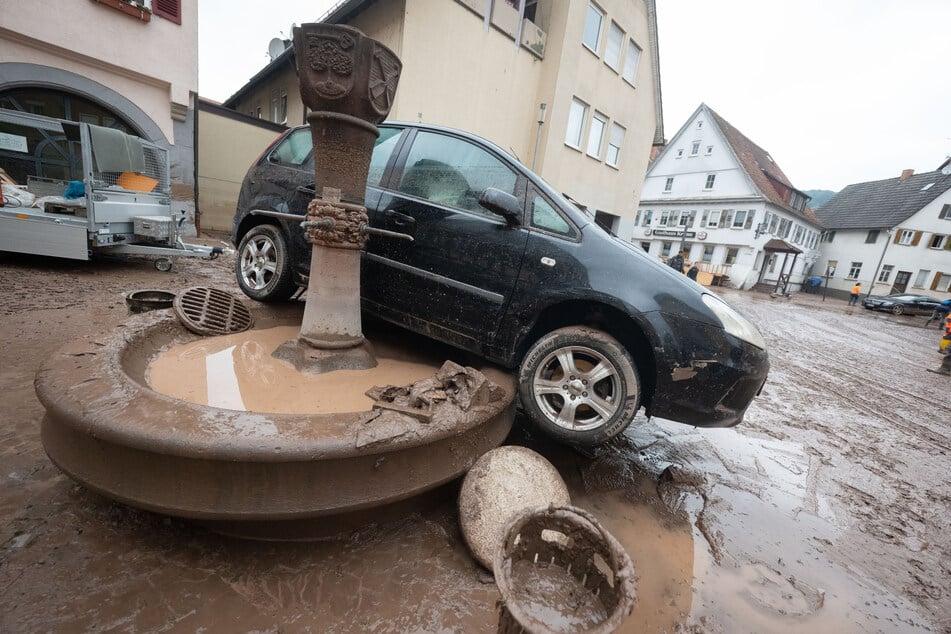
x,y
819,197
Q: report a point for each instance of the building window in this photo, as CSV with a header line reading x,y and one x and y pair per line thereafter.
x,y
797,236
708,253
938,241
828,236
648,216
710,179
709,150
576,117
695,148
942,283
872,236
664,219
906,237
284,106
631,58
699,124
731,254
886,273
592,28
784,228
646,246
665,249
854,271
169,9
773,223
680,153
714,218
615,142
612,51
669,185
685,220
945,213
830,268
739,219
596,134
922,278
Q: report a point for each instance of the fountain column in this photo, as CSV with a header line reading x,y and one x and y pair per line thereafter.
x,y
347,81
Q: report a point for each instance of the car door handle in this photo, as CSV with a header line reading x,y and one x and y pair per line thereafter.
x,y
399,219
548,261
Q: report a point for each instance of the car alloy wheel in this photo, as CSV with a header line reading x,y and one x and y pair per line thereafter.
x,y
898,309
579,385
262,266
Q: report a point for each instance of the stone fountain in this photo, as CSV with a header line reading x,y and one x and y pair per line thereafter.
x,y
274,475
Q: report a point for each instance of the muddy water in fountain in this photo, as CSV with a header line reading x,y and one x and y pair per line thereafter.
x,y
238,372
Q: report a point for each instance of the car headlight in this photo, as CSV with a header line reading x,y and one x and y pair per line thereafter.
x,y
733,322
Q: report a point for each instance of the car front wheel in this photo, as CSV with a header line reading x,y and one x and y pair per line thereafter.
x,y
579,385
262,266
898,309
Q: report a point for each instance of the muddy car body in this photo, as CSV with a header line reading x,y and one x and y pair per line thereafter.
x,y
504,266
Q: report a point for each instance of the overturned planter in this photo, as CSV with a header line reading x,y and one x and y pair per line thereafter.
x,y
243,472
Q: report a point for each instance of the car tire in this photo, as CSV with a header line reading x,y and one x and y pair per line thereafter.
x,y
262,266
579,385
898,309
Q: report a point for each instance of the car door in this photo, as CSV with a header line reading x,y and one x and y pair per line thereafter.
x,y
455,278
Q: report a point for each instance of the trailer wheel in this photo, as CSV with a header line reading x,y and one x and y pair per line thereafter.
x,y
163,264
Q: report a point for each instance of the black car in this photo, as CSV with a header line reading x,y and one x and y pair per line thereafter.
x,y
902,303
505,266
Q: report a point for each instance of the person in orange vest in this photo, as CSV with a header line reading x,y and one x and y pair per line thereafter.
x,y
945,349
854,296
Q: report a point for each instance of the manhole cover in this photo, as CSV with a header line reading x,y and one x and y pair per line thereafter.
x,y
209,311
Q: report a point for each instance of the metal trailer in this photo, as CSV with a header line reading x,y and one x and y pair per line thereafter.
x,y
127,204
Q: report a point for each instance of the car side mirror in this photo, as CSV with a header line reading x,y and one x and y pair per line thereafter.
x,y
501,203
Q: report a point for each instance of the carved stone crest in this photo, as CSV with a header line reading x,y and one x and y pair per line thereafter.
x,y
330,57
385,69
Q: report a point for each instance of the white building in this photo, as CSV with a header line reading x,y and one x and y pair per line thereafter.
x,y
729,204
891,235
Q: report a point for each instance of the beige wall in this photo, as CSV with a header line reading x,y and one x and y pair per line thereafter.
x,y
152,64
226,148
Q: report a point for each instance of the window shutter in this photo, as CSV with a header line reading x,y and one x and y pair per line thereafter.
x,y
749,219
934,283
706,214
897,235
168,9
916,239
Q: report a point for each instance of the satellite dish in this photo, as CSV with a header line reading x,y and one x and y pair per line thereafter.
x,y
275,47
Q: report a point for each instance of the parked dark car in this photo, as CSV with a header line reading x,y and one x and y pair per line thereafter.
x,y
902,303
505,266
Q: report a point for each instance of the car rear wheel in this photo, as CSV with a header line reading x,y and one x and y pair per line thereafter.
x,y
898,309
262,267
579,385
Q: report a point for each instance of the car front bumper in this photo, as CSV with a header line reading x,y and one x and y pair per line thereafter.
x,y
705,377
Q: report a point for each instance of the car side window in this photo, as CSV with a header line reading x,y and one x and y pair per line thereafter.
x,y
545,217
453,172
382,151
294,149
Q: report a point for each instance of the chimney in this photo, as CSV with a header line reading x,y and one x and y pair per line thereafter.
x,y
905,175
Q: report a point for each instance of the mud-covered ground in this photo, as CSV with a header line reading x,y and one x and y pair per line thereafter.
x,y
827,510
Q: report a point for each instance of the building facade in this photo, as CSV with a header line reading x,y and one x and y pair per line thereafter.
x,y
570,87
892,235
721,198
131,65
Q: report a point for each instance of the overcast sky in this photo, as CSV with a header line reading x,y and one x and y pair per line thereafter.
x,y
838,91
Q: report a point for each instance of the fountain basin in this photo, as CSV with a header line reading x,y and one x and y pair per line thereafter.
x,y
107,429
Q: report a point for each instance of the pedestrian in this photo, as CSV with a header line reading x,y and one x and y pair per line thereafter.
x,y
693,271
940,313
854,296
945,348
677,262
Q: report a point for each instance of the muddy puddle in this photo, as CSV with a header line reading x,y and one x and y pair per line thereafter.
x,y
238,372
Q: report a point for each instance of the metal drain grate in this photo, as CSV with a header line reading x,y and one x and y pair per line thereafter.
x,y
209,311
